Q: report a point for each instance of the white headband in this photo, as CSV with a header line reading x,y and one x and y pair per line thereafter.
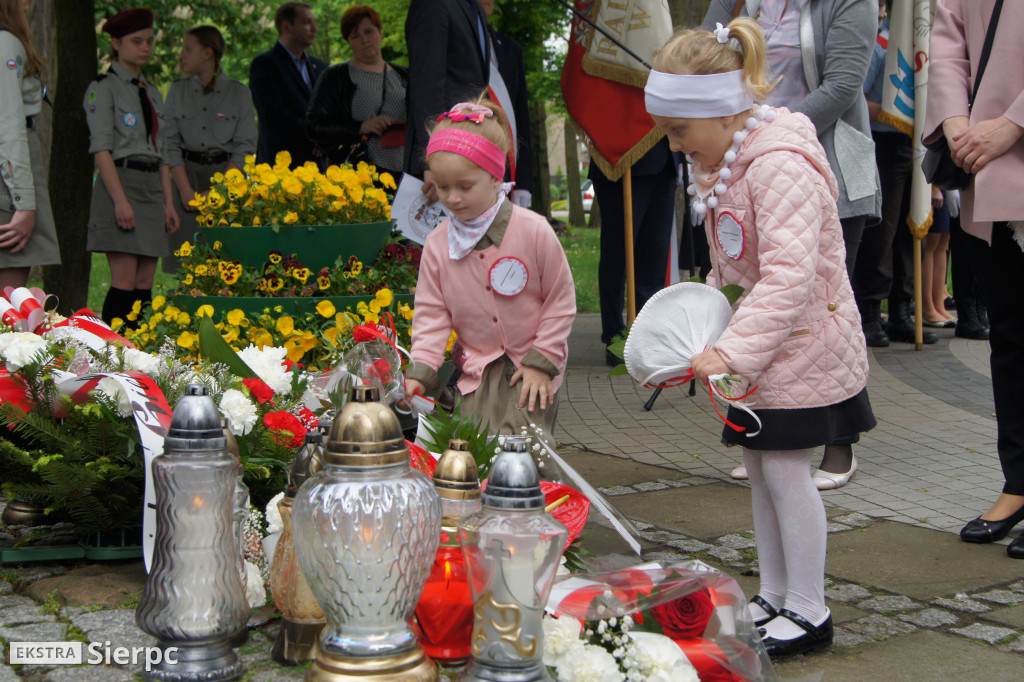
x,y
688,96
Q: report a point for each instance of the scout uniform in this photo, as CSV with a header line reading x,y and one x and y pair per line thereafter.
x,y
23,183
117,123
205,131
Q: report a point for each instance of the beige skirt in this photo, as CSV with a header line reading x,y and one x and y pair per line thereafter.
x,y
149,238
42,247
496,403
199,177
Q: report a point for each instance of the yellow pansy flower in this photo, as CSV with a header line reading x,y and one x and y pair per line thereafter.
x,y
236,317
116,322
405,311
384,297
451,342
285,325
326,308
184,251
292,185
283,158
183,319
187,339
290,218
205,309
158,302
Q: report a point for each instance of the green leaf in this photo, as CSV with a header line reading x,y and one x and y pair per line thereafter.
x,y
618,370
696,278
732,292
213,347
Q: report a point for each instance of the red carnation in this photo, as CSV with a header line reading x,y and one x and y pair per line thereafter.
x,y
381,369
686,617
308,418
287,430
259,389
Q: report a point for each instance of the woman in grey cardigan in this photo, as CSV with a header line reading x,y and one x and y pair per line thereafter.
x,y
827,87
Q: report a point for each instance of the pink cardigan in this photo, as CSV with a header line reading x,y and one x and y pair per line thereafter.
x,y
457,295
997,192
796,331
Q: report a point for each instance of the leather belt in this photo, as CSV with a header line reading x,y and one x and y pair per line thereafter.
x,y
205,158
144,166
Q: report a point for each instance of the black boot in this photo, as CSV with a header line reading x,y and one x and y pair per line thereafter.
x,y
968,324
901,325
117,304
871,322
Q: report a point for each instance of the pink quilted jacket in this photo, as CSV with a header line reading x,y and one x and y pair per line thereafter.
x,y
796,331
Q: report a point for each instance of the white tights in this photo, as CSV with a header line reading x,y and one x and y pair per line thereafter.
x,y
789,522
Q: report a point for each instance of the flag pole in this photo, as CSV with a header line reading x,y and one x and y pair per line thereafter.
x,y
918,315
627,201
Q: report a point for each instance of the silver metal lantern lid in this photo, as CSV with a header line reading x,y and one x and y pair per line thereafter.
x,y
195,423
514,481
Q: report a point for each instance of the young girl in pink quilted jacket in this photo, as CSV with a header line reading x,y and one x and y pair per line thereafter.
x,y
767,196
495,274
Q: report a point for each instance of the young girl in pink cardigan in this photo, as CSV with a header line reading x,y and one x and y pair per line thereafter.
x,y
767,196
496,275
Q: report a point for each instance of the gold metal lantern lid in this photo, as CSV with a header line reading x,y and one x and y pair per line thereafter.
x,y
366,433
456,476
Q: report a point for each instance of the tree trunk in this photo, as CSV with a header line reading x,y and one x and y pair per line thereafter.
x,y
572,176
41,22
541,202
71,165
688,13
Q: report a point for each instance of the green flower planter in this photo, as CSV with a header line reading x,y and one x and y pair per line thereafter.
x,y
254,305
315,246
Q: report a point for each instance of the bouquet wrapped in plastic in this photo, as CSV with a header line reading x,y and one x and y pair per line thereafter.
x,y
627,618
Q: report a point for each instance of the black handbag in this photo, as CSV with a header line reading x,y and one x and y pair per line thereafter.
x,y
938,165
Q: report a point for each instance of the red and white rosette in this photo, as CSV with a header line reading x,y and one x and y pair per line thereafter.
x,y
31,304
11,317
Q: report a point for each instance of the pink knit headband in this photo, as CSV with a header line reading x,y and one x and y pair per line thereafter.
x,y
476,148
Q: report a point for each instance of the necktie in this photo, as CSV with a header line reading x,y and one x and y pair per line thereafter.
x,y
147,111
304,70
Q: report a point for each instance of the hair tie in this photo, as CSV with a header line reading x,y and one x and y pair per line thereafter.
x,y
466,111
721,32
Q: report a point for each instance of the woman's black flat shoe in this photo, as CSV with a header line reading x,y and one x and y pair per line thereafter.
x,y
815,638
766,607
1015,550
980,530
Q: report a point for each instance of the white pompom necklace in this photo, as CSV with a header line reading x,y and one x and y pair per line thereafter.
x,y
699,205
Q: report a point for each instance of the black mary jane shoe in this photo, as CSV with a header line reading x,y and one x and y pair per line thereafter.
x,y
766,607
815,638
1015,550
980,530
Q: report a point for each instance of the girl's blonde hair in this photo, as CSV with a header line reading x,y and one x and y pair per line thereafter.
x,y
698,53
495,128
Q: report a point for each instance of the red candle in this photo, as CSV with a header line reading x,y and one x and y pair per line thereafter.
x,y
445,609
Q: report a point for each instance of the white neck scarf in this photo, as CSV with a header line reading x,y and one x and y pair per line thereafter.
x,y
464,235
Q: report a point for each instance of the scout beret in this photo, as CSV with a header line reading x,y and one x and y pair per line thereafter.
x,y
128,21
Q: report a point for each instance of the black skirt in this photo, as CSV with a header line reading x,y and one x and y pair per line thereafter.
x,y
801,428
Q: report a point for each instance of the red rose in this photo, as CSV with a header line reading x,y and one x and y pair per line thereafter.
x,y
364,332
686,617
381,369
287,430
259,389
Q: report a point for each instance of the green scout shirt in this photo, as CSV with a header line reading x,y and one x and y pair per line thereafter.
x,y
116,123
220,120
20,96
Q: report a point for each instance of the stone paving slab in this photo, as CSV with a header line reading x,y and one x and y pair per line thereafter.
x,y
1012,616
923,655
916,562
685,510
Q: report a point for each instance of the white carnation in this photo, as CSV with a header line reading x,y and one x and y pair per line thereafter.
x,y
113,390
561,635
266,363
143,362
255,592
658,659
589,663
18,348
273,515
239,411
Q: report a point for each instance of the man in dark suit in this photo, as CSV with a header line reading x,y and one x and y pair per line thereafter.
x,y
281,80
449,52
509,57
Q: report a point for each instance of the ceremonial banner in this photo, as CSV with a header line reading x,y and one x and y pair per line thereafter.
x,y
905,93
603,86
641,25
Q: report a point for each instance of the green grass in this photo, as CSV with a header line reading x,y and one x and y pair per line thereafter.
x,y
582,248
